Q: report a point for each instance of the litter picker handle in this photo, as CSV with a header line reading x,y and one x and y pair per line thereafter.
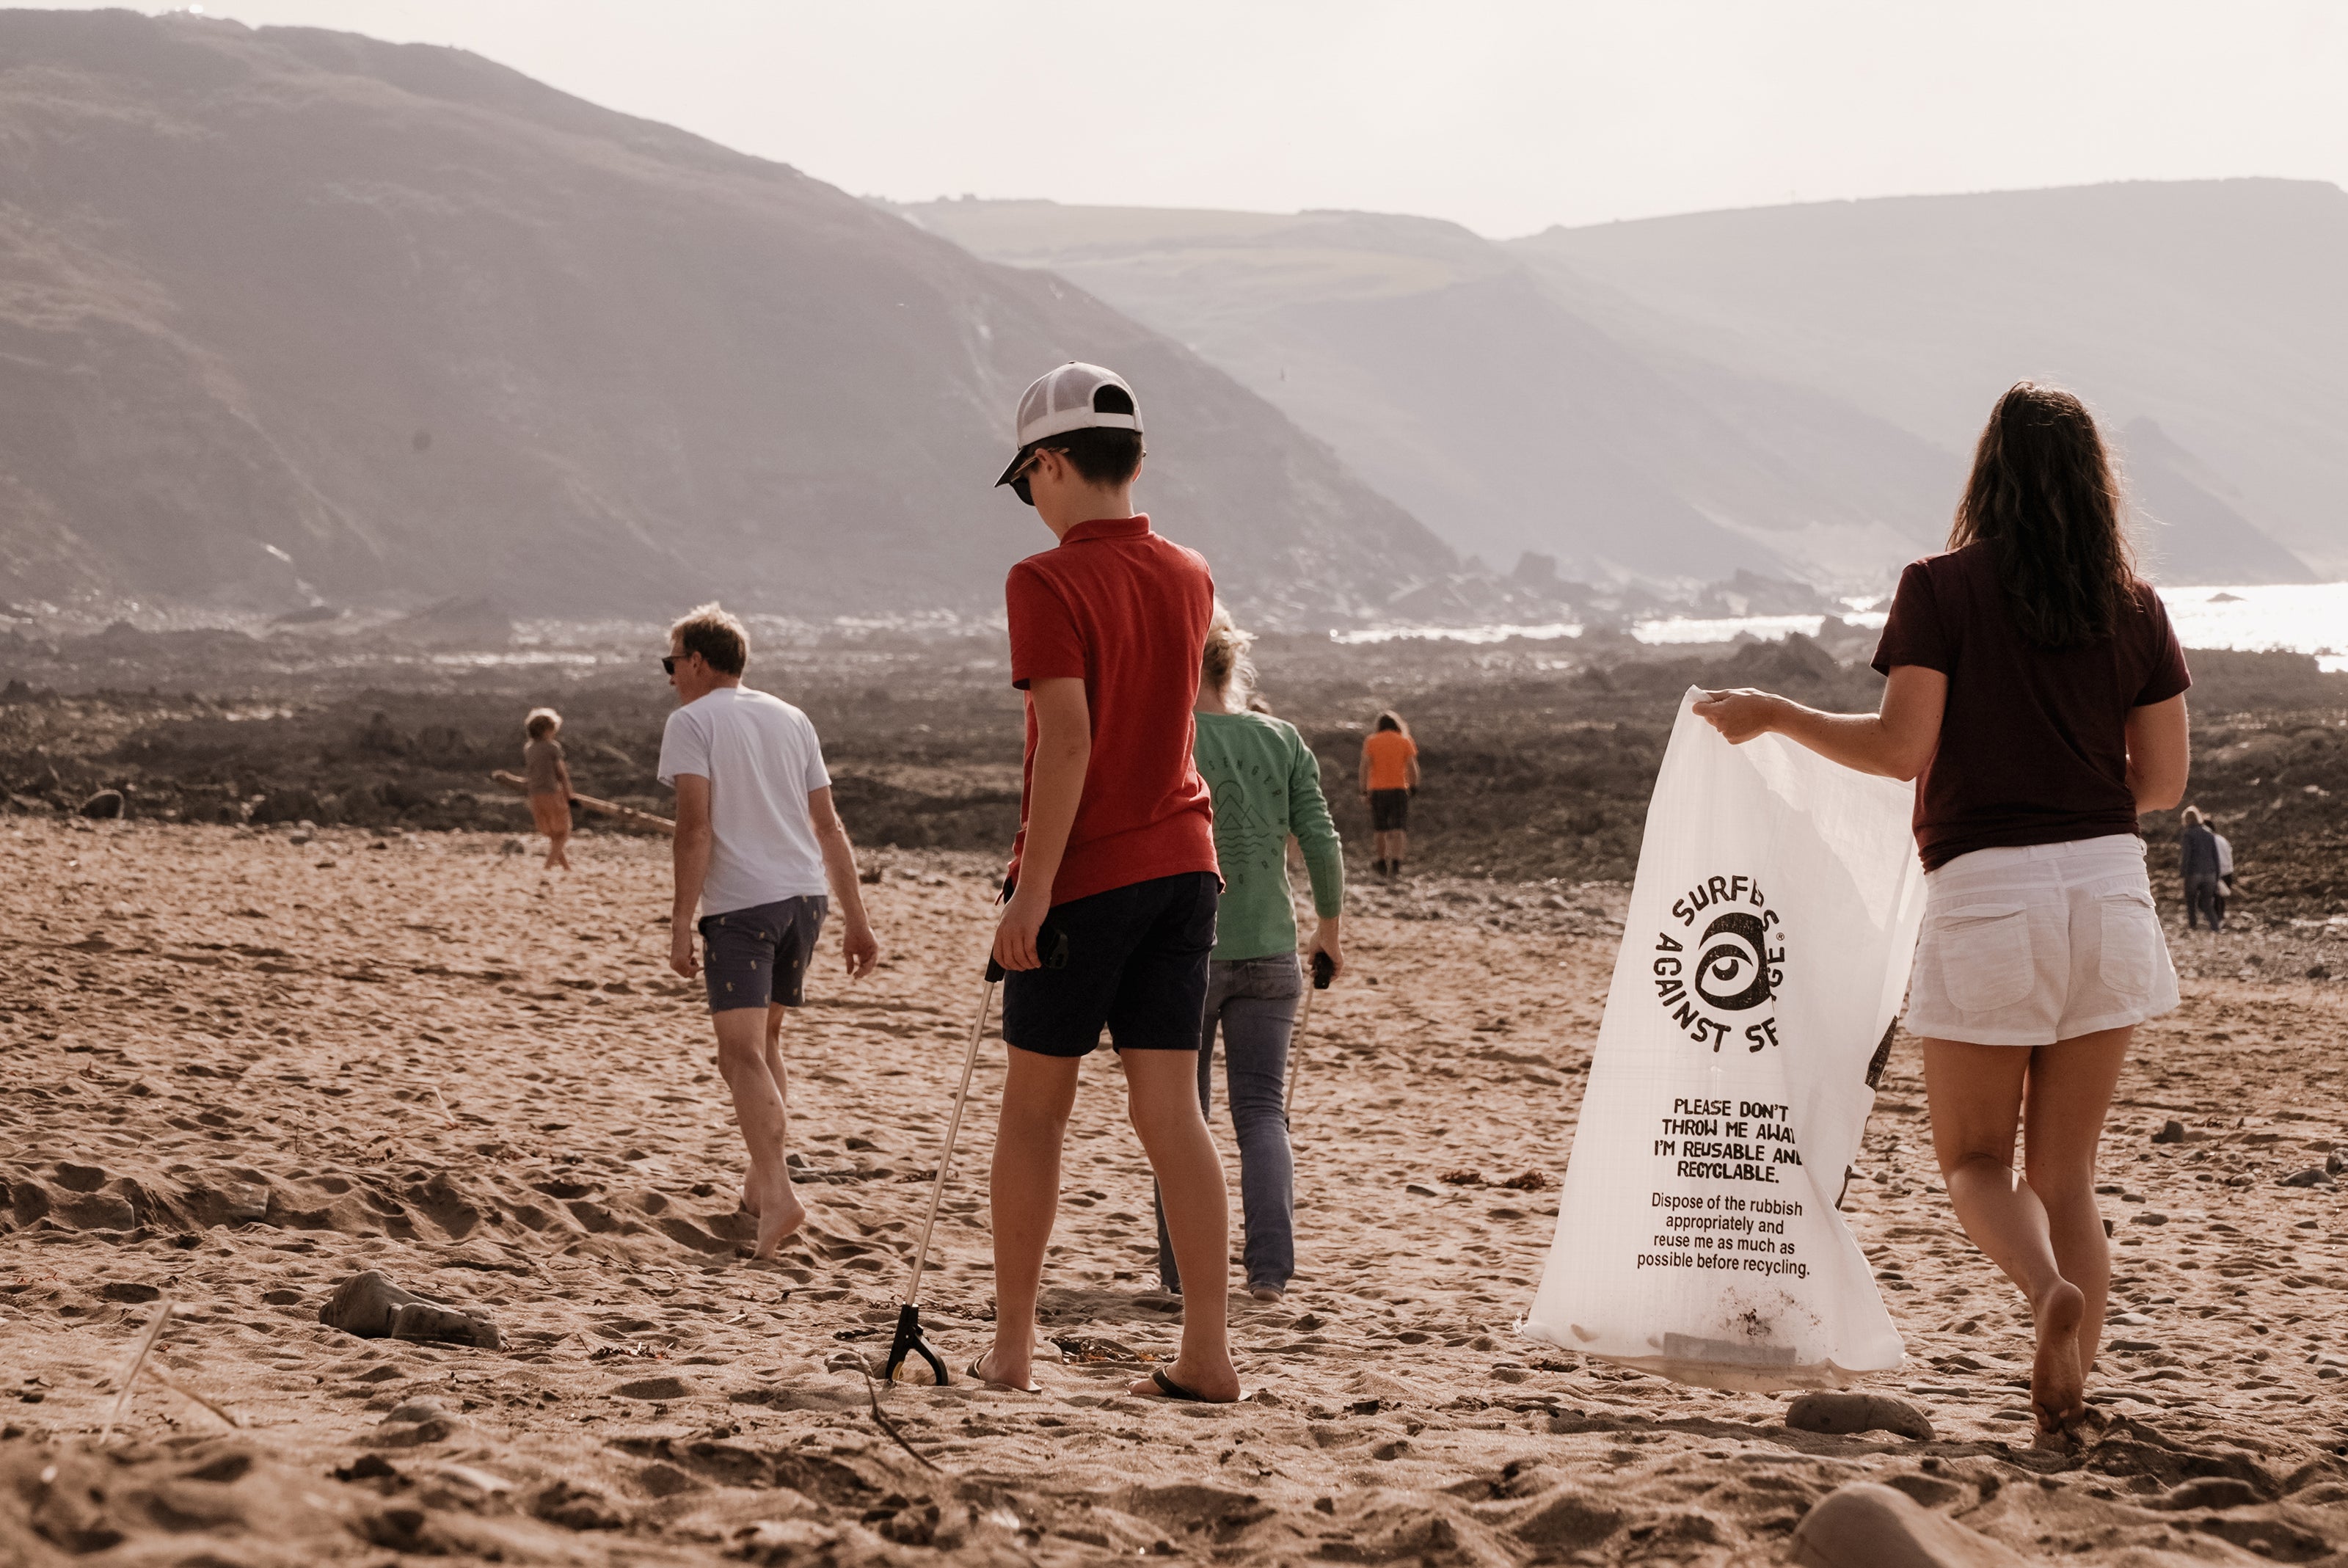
x,y
1053,944
1056,956
954,1132
1324,969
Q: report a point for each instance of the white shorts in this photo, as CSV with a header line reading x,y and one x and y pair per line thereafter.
x,y
2029,945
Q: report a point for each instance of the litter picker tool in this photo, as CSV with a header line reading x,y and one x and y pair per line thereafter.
x,y
1324,969
910,1341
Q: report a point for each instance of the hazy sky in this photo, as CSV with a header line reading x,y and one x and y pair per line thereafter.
x,y
1505,115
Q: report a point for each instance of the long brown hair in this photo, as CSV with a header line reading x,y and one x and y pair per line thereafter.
x,y
2045,498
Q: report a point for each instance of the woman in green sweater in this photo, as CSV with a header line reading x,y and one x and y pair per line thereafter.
x,y
1267,788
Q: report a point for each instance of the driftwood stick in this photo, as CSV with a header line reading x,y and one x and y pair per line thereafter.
x,y
138,1361
515,782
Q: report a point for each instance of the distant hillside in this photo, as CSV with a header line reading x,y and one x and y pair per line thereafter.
x,y
292,313
2213,307
1448,373
1795,390
2186,527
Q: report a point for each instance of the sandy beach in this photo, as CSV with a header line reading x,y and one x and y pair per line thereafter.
x,y
247,1063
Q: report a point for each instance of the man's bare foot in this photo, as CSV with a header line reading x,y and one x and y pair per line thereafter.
x,y
1215,1384
749,1198
2058,1389
780,1215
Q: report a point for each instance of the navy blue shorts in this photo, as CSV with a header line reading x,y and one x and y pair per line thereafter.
x,y
1389,810
1137,966
758,957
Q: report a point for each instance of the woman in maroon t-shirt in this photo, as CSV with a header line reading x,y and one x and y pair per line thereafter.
x,y
2037,694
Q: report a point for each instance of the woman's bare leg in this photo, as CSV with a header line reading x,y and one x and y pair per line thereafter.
x,y
2069,1092
1976,1094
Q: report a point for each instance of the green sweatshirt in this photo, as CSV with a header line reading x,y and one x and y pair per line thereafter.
x,y
1267,786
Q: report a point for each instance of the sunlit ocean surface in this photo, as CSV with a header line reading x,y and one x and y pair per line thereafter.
x,y
2304,618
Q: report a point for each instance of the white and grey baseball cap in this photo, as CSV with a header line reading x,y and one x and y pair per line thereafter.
x,y
1076,396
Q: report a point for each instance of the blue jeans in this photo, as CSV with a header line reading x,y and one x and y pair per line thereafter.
x,y
2203,896
1253,1002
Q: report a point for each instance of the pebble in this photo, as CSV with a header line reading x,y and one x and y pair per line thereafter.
x,y
1867,1526
1842,1413
2171,1132
2313,1176
2210,1491
370,1305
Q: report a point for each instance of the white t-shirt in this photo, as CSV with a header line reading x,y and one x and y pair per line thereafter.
x,y
762,759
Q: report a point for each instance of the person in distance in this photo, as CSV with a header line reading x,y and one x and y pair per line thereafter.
x,y
1389,778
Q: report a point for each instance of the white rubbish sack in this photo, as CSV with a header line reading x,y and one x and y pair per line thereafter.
x,y
1763,961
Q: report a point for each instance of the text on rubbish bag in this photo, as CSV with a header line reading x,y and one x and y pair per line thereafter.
x,y
1744,1235
1724,979
1727,1140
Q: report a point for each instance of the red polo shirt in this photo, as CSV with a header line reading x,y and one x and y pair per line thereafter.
x,y
1125,610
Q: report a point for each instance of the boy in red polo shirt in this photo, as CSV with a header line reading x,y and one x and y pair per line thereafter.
x,y
1112,915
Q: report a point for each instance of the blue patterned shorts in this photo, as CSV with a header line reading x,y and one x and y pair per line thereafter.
x,y
758,956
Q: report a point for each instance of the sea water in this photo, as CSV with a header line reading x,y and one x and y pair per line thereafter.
x,y
2302,618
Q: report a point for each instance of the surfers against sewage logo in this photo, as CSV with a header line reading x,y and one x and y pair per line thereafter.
x,y
1719,975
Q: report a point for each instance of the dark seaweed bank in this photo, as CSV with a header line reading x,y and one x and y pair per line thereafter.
x,y
1539,755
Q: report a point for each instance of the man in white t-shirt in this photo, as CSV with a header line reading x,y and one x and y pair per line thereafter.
x,y
758,844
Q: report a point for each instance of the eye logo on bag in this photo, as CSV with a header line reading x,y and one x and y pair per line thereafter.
x,y
1714,979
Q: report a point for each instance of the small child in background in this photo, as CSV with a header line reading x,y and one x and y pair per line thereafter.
x,y
546,779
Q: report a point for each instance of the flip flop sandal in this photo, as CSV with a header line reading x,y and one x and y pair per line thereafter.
x,y
975,1376
1170,1389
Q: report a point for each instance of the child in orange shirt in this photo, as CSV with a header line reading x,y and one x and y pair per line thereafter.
x,y
1389,775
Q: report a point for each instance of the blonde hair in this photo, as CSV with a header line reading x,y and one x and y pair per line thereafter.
x,y
541,723
716,637
1225,665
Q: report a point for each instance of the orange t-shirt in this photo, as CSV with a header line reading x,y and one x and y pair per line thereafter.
x,y
1389,751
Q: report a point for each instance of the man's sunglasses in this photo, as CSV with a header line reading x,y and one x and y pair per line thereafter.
x,y
668,664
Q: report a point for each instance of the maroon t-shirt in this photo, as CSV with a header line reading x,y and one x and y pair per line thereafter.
x,y
2033,741
1125,610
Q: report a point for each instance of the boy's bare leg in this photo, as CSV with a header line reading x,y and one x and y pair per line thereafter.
x,y
1024,1193
1162,1096
743,1042
555,857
